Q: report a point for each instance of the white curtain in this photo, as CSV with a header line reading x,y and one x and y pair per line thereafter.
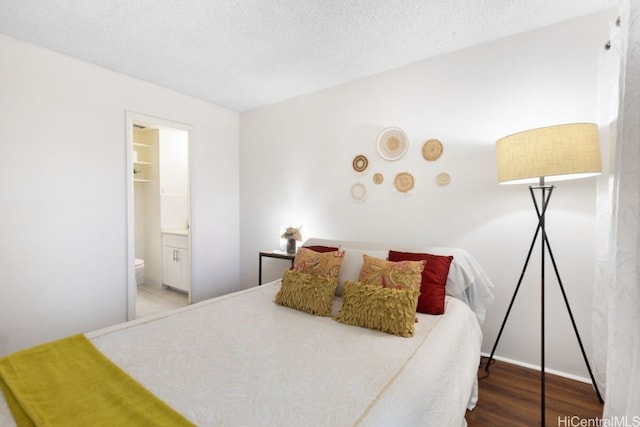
x,y
608,99
616,319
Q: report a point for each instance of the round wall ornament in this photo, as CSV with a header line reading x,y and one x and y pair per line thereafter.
x,y
358,192
378,178
404,182
443,179
392,143
432,149
360,163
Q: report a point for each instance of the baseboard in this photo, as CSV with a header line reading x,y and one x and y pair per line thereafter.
x,y
537,368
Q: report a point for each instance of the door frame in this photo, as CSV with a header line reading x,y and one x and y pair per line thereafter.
x,y
155,122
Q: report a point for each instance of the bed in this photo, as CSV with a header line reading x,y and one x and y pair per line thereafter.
x,y
241,360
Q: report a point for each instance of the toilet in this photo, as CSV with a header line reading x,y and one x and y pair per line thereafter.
x,y
139,271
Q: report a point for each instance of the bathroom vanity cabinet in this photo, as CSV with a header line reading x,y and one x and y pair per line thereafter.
x,y
176,264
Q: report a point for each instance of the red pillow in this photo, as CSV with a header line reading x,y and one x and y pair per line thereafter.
x,y
321,249
434,279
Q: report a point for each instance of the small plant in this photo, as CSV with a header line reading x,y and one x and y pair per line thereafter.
x,y
292,233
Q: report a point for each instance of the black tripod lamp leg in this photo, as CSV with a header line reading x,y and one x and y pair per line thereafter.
x,y
573,322
513,298
540,211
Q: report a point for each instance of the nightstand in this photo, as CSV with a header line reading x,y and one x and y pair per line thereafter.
x,y
272,254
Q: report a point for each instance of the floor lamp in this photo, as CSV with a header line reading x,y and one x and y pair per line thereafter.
x,y
538,156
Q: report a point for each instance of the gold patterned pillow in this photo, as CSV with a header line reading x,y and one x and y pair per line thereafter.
x,y
389,274
306,292
325,264
384,309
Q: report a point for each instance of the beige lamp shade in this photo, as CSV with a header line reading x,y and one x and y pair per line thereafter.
x,y
554,153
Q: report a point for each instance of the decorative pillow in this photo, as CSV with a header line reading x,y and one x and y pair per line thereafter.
x,y
384,309
318,264
306,292
321,249
434,279
350,269
388,274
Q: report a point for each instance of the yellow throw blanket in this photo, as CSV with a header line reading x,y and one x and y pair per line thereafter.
x,y
70,383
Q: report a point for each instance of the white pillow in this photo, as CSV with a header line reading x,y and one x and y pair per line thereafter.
x,y
352,263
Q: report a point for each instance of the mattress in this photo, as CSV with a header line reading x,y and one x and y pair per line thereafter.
x,y
241,360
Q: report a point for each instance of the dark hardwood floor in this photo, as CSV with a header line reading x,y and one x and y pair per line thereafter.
x,y
510,396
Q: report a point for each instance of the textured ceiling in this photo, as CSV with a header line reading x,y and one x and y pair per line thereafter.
x,y
242,54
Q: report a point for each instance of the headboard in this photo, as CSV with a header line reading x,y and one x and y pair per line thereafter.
x,y
466,281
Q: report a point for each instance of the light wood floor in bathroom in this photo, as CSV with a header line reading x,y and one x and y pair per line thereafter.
x,y
151,300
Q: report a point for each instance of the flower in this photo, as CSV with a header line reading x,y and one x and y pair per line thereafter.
x,y
292,233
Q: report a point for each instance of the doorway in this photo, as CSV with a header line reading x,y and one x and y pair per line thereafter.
x,y
158,214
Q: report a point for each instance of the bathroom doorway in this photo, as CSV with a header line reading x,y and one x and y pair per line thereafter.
x,y
158,223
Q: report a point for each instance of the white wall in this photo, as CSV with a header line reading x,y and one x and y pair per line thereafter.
x,y
296,158
63,191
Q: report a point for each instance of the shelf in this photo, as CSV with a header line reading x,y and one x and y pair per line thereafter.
x,y
142,156
137,145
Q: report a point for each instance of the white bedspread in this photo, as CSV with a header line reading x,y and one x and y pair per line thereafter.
x,y
241,360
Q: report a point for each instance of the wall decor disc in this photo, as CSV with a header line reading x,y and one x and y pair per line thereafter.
x,y
392,143
432,149
378,178
358,191
404,182
360,163
443,179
